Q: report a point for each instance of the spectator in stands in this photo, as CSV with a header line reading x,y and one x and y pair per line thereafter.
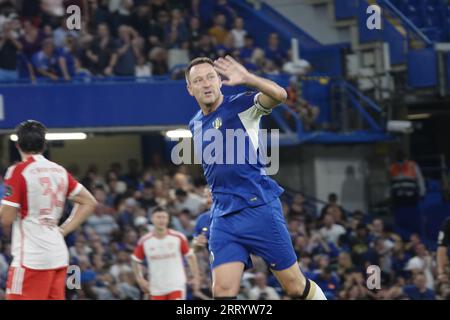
x,y
159,59
188,200
239,33
121,265
146,199
101,54
48,64
359,244
205,48
177,32
127,287
61,33
131,178
261,291
273,51
246,52
143,68
159,5
128,50
331,231
9,48
307,112
120,11
185,223
419,291
227,48
218,31
333,201
328,281
222,7
194,33
68,53
158,36
422,263
31,41
102,221
140,20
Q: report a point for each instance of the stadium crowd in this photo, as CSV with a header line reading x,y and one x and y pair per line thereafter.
x,y
126,38
334,247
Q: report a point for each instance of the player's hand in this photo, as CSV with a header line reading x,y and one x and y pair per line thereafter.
x,y
443,278
144,285
200,241
61,230
235,73
195,283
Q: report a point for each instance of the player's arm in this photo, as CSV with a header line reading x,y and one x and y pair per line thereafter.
x,y
11,203
193,266
271,93
7,216
137,271
85,204
136,264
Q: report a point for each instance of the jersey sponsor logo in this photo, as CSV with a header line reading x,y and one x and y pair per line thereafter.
x,y
9,191
170,245
163,256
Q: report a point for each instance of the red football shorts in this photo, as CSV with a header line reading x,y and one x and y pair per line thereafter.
x,y
29,284
174,295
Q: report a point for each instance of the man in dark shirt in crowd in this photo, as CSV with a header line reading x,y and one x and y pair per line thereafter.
x,y
9,46
100,54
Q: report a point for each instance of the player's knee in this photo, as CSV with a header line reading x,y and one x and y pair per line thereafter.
x,y
294,290
224,289
295,287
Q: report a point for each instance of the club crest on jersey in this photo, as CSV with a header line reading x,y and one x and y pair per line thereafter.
x,y
8,191
217,123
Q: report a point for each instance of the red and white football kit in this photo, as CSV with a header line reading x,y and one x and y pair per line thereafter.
x,y
164,256
39,189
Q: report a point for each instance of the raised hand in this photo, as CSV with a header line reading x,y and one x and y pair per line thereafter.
x,y
235,73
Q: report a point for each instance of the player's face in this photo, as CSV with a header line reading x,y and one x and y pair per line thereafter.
x,y
160,220
204,84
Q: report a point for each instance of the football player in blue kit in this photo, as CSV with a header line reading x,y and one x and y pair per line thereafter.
x,y
246,214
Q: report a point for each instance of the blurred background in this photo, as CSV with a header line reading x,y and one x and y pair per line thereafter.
x,y
363,136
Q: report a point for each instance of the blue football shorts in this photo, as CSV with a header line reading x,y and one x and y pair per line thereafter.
x,y
261,231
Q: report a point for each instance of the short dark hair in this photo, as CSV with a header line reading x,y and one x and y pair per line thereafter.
x,y
159,209
332,197
31,136
195,62
180,193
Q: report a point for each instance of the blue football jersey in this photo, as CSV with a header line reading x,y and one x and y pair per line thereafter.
x,y
232,165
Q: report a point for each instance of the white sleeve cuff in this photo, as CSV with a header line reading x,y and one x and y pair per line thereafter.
x,y
136,258
76,190
260,107
11,204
